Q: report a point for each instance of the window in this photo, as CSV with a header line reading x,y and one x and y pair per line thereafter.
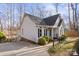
x,y
45,32
39,32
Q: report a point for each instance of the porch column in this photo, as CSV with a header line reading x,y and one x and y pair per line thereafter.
x,y
52,33
59,32
47,33
42,31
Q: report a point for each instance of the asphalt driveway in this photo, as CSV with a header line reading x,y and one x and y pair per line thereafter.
x,y
23,48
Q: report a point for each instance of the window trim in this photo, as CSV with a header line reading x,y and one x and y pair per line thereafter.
x,y
45,32
39,32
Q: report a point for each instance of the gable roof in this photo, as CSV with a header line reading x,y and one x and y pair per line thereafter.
x,y
60,22
35,19
50,21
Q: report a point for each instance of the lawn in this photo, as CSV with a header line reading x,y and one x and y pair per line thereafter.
x,y
64,48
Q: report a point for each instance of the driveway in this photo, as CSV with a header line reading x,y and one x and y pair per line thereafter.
x,y
22,48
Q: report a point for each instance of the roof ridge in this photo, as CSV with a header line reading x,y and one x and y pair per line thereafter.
x,y
31,15
51,16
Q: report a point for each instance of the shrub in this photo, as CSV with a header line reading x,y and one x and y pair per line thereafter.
x,y
54,49
62,38
68,46
50,39
47,38
76,46
2,37
42,41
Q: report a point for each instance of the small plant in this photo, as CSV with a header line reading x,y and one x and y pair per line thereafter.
x,y
54,49
62,38
76,46
42,41
50,39
2,37
47,38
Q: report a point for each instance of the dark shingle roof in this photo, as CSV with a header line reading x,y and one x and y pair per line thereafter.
x,y
35,19
46,21
51,20
60,22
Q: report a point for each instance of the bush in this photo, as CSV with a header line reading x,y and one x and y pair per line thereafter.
x,y
46,38
54,49
50,39
62,38
2,37
51,50
42,41
76,46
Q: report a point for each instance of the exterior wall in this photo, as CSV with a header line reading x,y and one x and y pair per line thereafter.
x,y
29,30
61,30
52,33
42,31
55,32
44,27
57,22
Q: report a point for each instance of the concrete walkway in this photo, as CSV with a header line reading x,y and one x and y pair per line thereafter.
x,y
23,49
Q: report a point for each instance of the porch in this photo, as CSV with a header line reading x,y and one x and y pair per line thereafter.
x,y
48,31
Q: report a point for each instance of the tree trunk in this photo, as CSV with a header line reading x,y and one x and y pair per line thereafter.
x,y
69,15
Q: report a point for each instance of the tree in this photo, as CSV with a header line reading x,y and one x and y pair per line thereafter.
x,y
72,6
1,27
40,11
56,7
75,20
21,11
69,15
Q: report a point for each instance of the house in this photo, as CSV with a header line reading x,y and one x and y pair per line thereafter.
x,y
32,27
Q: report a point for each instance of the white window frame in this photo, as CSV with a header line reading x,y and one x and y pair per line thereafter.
x,y
45,32
39,32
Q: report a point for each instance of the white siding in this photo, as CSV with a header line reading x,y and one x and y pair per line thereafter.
x,y
57,22
61,30
29,30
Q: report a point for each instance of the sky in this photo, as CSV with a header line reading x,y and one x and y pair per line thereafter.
x,y
50,6
62,9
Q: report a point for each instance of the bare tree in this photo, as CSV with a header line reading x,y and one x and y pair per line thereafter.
x,y
72,6
69,15
75,20
21,10
1,27
40,11
56,7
